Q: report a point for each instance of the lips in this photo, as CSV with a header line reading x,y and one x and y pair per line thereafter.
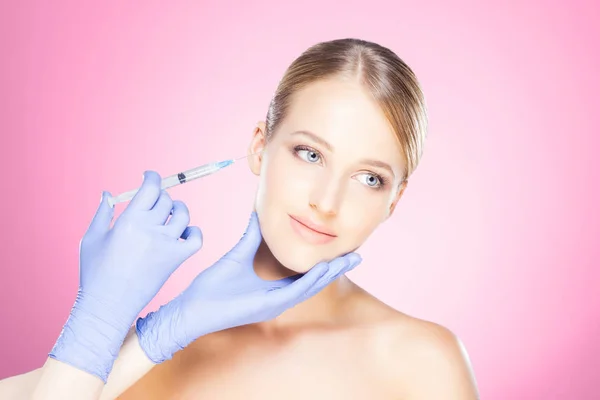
x,y
320,229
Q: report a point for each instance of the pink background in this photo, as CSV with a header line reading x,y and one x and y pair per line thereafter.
x,y
496,237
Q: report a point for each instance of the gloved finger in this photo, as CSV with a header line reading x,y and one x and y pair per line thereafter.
x,y
179,220
104,214
337,268
148,193
296,291
162,208
246,248
192,236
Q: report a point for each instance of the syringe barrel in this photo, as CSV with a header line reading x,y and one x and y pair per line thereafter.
x,y
175,180
198,172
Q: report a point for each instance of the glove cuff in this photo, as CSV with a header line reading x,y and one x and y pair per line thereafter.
x,y
157,336
89,340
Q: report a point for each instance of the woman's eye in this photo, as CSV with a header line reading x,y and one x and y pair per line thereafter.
x,y
308,155
370,180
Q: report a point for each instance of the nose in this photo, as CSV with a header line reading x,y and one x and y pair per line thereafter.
x,y
326,197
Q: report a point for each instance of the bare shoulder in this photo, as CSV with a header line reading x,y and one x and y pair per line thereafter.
x,y
418,358
19,386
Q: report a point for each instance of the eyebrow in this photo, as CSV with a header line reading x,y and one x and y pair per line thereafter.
x,y
324,143
378,164
315,138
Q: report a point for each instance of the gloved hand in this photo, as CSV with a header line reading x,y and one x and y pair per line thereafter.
x,y
230,294
121,270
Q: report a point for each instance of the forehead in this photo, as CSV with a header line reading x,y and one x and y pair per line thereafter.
x,y
345,115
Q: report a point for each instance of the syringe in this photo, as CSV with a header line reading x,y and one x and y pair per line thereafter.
x,y
178,179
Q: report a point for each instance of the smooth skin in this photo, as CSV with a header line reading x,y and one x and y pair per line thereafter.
x,y
225,295
343,343
57,380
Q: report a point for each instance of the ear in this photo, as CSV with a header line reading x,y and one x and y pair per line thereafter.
x,y
398,196
257,145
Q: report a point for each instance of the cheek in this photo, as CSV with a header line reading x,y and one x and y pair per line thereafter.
x,y
285,187
284,182
361,214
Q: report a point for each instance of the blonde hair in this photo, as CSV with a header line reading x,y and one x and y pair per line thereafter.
x,y
391,82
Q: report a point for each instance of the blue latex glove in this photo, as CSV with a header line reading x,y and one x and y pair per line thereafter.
x,y
230,294
121,270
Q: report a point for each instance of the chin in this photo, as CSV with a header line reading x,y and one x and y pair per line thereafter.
x,y
295,259
297,255
296,251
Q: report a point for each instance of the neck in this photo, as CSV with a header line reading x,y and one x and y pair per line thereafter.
x,y
319,310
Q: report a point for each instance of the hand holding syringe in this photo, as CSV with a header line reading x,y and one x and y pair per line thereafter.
x,y
178,179
124,266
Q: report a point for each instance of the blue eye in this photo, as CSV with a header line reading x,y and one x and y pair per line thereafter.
x,y
308,155
371,180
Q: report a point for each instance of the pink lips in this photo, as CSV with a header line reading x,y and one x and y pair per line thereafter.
x,y
313,233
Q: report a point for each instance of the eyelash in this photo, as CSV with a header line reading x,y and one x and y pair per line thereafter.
x,y
382,180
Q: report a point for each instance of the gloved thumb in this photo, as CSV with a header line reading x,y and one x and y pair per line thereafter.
x,y
193,239
248,244
104,215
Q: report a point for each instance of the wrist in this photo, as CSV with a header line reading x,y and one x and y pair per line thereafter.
x,y
91,338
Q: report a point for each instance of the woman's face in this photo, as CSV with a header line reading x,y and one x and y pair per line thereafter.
x,y
329,175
